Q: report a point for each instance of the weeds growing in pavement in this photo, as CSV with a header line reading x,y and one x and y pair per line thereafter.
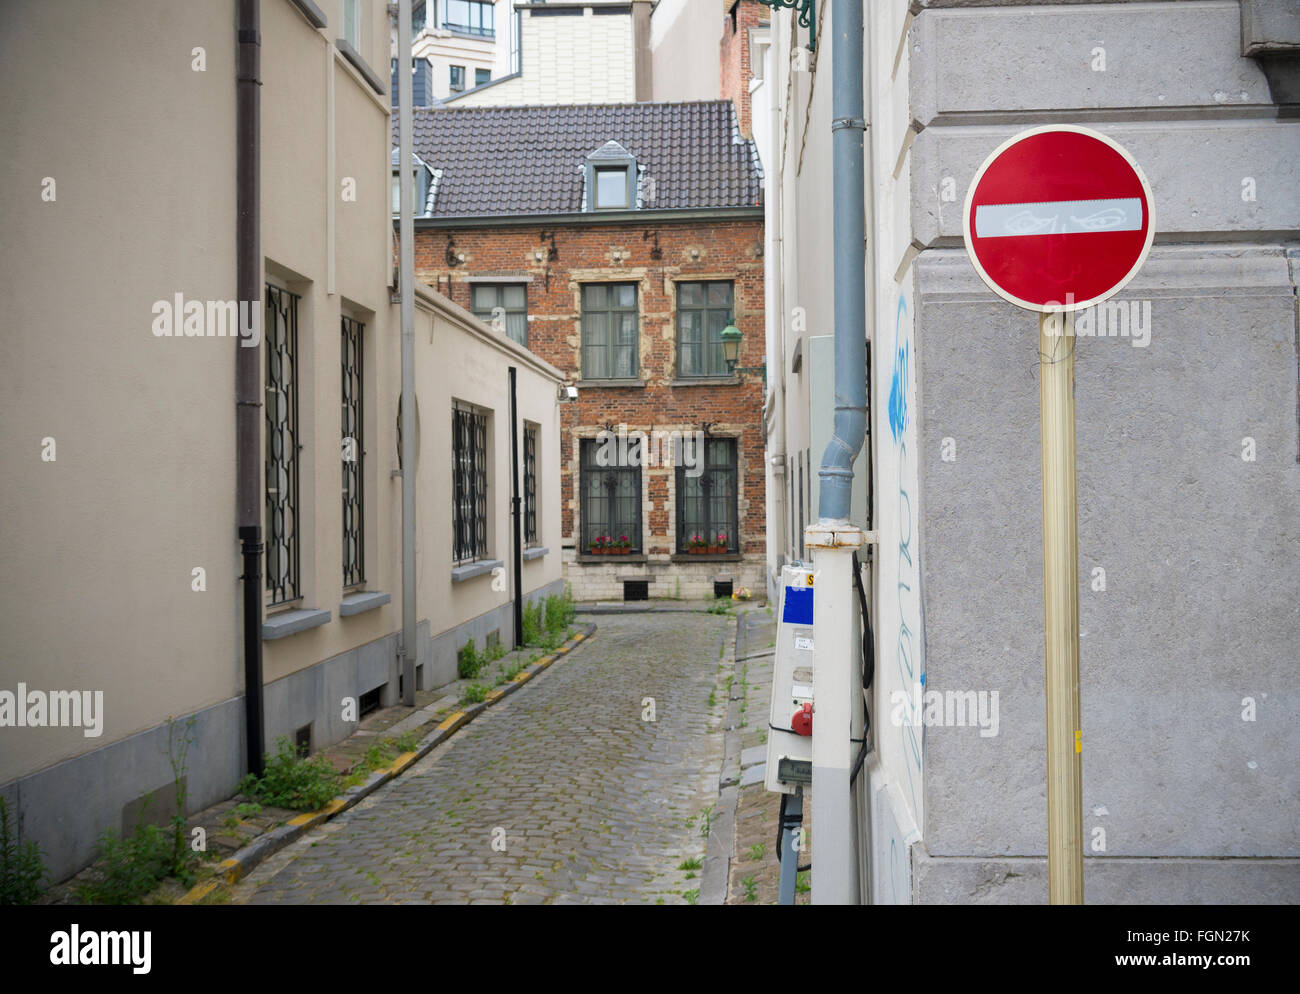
x,y
129,868
292,781
692,896
751,888
475,693
21,866
694,863
469,661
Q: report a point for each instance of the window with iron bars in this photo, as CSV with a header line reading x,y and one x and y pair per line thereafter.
x,y
354,546
530,484
283,576
611,495
469,482
707,500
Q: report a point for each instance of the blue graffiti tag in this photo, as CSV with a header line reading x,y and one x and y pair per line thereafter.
x,y
898,389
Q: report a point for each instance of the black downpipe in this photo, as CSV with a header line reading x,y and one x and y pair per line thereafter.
x,y
248,363
515,510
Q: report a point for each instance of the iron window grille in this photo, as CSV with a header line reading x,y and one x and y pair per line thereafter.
x,y
609,331
354,547
283,571
471,17
611,495
703,310
530,484
707,501
512,301
469,483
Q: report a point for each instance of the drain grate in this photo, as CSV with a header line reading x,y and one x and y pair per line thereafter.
x,y
636,590
721,588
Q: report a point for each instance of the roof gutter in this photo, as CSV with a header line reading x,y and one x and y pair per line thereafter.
x,y
685,214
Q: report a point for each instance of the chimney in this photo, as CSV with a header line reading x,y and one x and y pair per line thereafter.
x,y
740,16
643,88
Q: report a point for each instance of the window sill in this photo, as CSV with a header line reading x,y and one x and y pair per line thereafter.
x,y
288,623
459,574
536,552
706,381
632,557
360,65
361,601
722,557
635,383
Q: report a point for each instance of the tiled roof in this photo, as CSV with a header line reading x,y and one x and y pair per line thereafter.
x,y
530,160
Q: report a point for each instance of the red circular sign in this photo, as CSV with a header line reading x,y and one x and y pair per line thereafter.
x,y
1058,218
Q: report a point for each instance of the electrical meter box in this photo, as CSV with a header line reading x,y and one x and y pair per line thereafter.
x,y
789,736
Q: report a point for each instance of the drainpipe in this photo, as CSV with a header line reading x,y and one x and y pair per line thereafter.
x,y
248,365
834,539
407,652
518,564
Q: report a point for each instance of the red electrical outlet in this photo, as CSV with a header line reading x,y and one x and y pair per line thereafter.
x,y
801,723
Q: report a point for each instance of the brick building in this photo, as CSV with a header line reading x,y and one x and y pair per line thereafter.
x,y
617,242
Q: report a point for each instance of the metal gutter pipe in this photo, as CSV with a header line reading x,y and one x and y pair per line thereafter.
x,y
847,129
248,364
407,652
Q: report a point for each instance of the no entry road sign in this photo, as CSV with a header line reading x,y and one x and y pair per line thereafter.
x,y
1058,218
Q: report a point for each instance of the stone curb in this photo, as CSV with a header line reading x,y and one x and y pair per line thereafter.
x,y
716,874
238,866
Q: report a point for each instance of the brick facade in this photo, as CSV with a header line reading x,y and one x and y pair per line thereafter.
x,y
556,262
741,16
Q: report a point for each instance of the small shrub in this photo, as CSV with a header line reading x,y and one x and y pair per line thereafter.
x,y
130,867
532,623
292,781
475,693
469,661
408,741
560,612
720,606
21,866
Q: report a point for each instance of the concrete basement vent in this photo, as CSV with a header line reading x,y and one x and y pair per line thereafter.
x,y
370,701
636,590
721,588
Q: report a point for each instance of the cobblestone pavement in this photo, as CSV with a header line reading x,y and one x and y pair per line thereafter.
x,y
592,803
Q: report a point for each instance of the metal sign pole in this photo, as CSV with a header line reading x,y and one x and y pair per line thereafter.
x,y
1056,343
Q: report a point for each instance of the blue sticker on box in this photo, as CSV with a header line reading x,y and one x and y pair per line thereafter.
x,y
798,606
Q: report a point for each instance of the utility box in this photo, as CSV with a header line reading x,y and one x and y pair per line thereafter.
x,y
789,736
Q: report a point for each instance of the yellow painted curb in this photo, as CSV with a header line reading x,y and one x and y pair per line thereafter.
x,y
231,870
495,696
452,722
523,677
579,637
199,891
545,661
403,761
304,819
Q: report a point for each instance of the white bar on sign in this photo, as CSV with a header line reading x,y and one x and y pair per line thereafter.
x,y
1058,217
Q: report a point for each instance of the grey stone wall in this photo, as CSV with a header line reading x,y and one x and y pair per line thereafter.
x,y
1201,606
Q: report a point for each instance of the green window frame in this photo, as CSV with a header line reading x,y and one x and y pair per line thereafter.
x,y
610,331
704,308
506,303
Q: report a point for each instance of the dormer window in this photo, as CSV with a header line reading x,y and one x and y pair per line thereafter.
x,y
425,186
611,188
611,179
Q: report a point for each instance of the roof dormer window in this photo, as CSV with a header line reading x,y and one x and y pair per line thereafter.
x,y
611,179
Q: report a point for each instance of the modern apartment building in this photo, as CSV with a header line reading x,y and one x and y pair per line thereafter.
x,y
120,450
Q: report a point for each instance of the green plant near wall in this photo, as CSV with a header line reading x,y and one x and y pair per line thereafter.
x,y
179,739
532,623
292,781
469,661
21,866
128,868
